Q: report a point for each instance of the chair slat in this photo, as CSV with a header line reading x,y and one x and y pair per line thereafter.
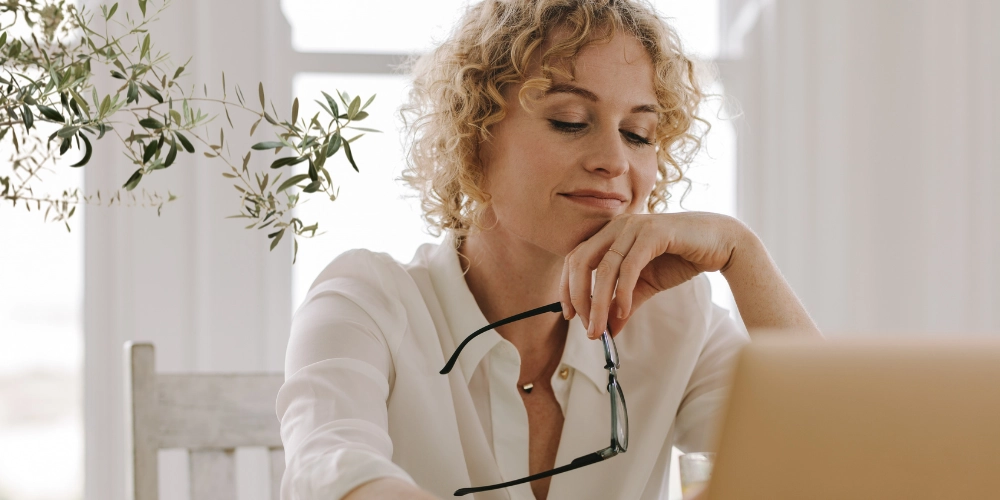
x,y
213,475
217,411
141,441
277,471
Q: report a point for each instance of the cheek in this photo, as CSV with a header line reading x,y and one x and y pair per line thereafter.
x,y
644,181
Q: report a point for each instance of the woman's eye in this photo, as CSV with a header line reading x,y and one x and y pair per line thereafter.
x,y
567,126
636,139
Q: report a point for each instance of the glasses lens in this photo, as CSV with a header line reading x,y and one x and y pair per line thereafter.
x,y
621,414
610,350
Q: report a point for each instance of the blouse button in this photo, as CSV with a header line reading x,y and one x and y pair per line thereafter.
x,y
564,373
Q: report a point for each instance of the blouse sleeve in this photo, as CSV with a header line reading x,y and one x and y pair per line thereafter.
x,y
332,406
700,411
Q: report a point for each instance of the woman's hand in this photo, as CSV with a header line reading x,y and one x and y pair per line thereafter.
x,y
639,255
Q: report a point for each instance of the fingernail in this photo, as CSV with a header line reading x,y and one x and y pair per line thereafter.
x,y
621,312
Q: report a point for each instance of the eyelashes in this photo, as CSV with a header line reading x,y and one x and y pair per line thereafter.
x,y
575,128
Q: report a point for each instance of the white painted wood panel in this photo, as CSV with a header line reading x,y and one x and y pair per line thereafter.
x,y
213,475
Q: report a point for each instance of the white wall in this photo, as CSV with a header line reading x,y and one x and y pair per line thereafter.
x,y
868,156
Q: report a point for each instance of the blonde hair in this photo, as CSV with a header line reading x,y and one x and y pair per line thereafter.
x,y
458,93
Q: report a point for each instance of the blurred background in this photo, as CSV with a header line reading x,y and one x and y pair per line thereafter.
x,y
858,138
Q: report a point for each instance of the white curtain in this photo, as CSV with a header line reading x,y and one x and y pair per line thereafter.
x,y
868,156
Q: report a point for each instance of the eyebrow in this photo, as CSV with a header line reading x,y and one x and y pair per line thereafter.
x,y
568,88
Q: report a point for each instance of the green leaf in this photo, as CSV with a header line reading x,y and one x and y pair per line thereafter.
x,y
325,109
3,39
291,160
363,129
142,7
350,157
152,92
87,151
334,109
254,127
360,116
185,142
277,237
177,73
149,152
312,187
79,101
114,8
370,99
66,143
151,123
171,156
260,93
133,181
334,145
50,113
291,181
295,110
29,117
262,146
133,93
144,52
355,106
118,75
68,131
313,174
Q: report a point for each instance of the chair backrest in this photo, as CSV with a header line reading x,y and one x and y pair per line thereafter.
x,y
210,415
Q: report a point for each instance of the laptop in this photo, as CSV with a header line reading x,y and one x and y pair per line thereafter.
x,y
862,419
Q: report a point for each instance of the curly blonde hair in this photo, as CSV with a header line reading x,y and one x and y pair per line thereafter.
x,y
458,93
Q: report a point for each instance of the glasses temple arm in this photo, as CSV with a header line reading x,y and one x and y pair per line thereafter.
x,y
553,307
575,464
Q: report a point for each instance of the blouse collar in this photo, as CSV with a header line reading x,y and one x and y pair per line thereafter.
x,y
464,317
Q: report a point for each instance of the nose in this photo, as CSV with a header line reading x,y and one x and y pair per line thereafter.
x,y
607,154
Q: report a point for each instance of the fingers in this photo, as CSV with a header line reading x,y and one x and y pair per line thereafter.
x,y
589,293
605,279
567,301
628,276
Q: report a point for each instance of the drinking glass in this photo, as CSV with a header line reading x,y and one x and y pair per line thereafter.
x,y
696,470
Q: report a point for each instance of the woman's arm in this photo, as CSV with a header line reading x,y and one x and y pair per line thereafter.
x,y
388,488
764,298
636,256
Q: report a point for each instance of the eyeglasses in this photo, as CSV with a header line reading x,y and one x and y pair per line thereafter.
x,y
619,413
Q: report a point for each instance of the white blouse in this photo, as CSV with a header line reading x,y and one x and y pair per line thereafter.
x,y
363,397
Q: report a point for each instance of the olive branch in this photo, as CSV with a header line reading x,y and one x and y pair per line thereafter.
x,y
43,115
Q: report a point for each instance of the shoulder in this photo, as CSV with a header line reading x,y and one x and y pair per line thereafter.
x,y
371,284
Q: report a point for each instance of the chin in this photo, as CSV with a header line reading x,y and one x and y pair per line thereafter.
x,y
562,239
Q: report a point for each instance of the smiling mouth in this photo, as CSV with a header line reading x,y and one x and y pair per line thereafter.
x,y
595,201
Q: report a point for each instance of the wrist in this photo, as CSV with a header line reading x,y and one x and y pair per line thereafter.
x,y
742,247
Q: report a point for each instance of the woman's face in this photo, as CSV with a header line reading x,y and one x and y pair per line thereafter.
x,y
583,154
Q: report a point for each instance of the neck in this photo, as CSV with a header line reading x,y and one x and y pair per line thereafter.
x,y
507,276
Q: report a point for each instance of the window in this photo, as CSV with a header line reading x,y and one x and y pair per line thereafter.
x,y
41,350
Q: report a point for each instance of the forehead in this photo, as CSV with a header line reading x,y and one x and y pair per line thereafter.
x,y
620,67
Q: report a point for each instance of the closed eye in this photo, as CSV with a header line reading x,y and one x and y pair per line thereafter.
x,y
574,127
567,126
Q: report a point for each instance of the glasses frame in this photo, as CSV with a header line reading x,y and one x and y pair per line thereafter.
x,y
618,427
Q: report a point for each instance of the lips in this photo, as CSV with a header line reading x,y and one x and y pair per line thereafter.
x,y
591,193
598,199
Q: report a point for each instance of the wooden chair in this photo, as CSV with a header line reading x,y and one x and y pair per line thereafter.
x,y
210,415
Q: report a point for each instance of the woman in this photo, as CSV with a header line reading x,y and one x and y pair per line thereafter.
x,y
545,134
